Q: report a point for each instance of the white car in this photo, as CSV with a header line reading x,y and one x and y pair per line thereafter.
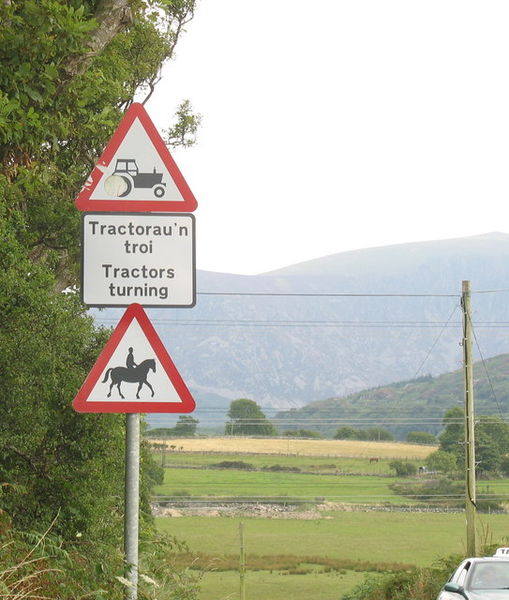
x,y
479,579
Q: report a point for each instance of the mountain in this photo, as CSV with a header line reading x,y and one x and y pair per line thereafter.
x,y
417,405
335,325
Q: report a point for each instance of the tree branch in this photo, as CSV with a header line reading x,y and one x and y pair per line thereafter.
x,y
112,16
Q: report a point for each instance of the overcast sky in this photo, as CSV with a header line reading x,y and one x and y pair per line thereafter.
x,y
334,125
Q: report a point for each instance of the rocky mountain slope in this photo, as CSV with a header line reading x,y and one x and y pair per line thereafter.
x,y
416,405
336,325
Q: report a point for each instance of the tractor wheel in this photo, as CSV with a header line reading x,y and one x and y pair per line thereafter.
x,y
117,186
128,188
159,191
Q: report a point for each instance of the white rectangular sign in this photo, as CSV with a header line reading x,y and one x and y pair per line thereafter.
x,y
144,258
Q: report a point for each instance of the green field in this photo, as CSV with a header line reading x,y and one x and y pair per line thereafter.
x,y
375,537
277,586
302,556
227,483
317,464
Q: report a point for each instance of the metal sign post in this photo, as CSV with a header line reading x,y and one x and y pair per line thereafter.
x,y
132,502
135,253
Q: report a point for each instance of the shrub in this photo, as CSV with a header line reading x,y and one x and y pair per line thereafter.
x,y
233,464
441,461
403,468
281,468
417,584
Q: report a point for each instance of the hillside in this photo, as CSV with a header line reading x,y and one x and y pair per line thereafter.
x,y
391,314
416,405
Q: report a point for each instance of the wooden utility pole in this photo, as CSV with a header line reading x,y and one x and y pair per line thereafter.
x,y
242,565
470,492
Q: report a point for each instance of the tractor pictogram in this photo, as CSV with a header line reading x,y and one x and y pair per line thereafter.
x,y
127,176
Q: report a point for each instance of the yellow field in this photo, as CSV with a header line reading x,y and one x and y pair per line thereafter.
x,y
331,448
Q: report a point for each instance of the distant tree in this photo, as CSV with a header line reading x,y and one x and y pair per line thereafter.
x,y
504,466
159,432
491,439
303,433
346,433
247,418
444,462
489,448
378,434
452,437
421,437
186,426
371,434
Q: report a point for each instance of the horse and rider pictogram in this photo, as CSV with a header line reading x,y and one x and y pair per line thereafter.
x,y
131,373
134,354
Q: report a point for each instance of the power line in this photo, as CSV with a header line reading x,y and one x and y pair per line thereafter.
x,y
329,294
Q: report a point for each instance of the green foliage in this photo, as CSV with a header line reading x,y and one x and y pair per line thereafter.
x,y
183,133
60,103
504,466
375,434
38,566
62,94
441,491
418,584
421,437
158,432
346,433
452,437
442,462
303,433
64,461
212,483
491,440
427,397
247,418
403,468
185,427
233,464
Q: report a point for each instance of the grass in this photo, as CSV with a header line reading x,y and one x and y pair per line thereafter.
x,y
375,537
314,464
289,446
307,558
276,585
248,484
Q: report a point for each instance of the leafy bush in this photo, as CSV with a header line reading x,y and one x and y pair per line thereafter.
x,y
304,433
403,468
441,461
370,434
277,468
417,584
444,491
233,464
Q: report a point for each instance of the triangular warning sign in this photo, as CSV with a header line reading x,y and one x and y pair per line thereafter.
x,y
136,172
134,373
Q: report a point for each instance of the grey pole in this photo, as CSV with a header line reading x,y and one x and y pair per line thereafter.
x,y
132,502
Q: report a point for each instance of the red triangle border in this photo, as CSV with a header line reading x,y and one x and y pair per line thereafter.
x,y
83,201
80,402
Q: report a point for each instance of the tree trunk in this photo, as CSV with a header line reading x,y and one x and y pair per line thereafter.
x,y
112,16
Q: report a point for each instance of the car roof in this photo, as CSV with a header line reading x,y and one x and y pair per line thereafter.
x,y
502,554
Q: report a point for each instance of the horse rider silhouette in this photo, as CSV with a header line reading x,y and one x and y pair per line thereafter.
x,y
132,374
129,361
